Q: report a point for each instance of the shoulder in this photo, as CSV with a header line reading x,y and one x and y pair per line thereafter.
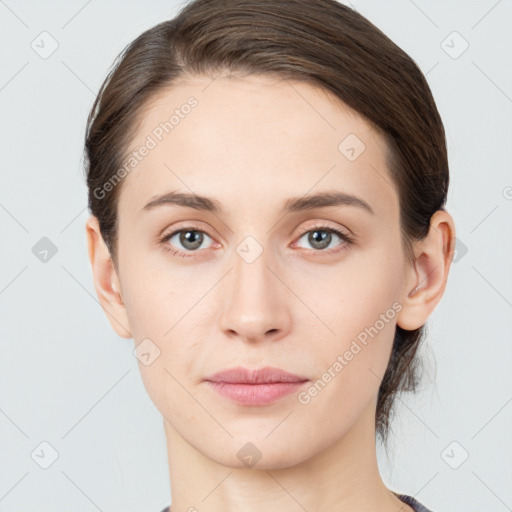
x,y
416,505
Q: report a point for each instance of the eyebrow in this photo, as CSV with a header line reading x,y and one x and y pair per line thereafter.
x,y
294,204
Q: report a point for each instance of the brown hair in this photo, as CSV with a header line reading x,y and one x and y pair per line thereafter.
x,y
321,42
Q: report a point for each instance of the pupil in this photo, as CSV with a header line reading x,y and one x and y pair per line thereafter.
x,y
323,236
191,239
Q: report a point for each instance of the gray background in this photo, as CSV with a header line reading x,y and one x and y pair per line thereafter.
x,y
68,380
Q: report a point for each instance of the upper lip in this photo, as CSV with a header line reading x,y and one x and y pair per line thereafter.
x,y
240,375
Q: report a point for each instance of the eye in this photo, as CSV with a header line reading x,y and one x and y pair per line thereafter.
x,y
321,237
190,238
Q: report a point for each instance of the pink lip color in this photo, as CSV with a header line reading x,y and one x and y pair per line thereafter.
x,y
255,387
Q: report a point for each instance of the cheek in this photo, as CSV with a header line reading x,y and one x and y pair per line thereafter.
x,y
350,368
155,295
357,305
352,294
163,305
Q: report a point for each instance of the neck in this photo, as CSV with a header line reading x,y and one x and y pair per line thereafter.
x,y
343,477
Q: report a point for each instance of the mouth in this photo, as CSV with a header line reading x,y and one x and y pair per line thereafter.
x,y
255,387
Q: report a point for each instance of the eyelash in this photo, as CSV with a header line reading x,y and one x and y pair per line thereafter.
x,y
349,240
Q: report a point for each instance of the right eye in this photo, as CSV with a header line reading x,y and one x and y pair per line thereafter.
x,y
191,238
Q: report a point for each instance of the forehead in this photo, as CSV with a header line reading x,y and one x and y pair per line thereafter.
x,y
256,135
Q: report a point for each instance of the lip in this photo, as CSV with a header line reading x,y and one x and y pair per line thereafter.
x,y
255,387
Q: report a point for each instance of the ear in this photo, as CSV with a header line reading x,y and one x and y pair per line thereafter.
x,y
426,280
106,281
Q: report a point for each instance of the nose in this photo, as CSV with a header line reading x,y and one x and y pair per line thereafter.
x,y
255,301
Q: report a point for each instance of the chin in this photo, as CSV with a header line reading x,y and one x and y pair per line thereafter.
x,y
253,452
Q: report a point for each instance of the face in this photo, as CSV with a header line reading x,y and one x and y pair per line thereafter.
x,y
260,274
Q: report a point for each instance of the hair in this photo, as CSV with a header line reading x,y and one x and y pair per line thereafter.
x,y
321,42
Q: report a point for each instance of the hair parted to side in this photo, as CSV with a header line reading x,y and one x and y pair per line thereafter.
x,y
322,42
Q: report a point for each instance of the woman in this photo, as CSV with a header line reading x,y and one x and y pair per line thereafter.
x,y
267,183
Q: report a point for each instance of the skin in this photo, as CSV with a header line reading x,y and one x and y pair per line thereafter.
x,y
251,143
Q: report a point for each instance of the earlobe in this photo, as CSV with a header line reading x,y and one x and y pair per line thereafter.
x,y
106,281
426,282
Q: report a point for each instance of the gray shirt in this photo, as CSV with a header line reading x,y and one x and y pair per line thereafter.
x,y
416,505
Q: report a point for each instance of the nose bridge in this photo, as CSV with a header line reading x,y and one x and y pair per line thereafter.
x,y
251,305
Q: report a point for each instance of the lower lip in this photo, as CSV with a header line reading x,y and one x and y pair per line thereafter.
x,y
256,394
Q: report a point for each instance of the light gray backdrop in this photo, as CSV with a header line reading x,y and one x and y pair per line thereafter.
x,y
77,430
